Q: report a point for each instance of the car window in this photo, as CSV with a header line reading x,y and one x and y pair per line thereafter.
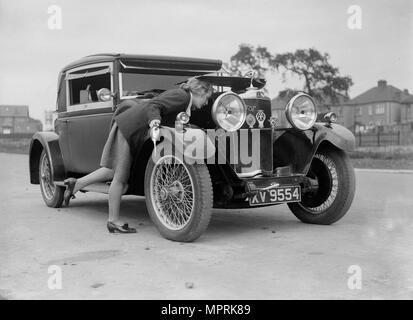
x,y
134,84
83,84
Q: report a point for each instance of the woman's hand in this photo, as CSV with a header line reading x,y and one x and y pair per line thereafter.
x,y
155,123
154,129
154,132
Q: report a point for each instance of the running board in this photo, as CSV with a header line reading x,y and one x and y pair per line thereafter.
x,y
102,187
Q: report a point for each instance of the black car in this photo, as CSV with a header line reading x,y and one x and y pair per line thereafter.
x,y
249,158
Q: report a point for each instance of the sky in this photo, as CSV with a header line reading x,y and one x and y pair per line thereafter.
x,y
31,54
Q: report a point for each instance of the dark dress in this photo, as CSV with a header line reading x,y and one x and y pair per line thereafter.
x,y
134,122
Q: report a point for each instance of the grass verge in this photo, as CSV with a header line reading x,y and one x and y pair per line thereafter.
x,y
395,164
388,157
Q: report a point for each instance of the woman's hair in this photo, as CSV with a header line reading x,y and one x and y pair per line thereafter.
x,y
197,86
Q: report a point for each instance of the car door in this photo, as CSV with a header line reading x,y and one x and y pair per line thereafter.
x,y
86,121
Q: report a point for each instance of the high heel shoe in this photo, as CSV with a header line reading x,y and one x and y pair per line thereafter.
x,y
70,185
113,228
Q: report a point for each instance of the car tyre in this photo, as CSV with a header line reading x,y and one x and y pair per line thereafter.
x,y
51,193
178,197
334,172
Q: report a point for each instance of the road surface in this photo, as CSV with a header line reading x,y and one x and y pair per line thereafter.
x,y
244,254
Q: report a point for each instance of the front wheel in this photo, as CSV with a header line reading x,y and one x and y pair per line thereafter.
x,y
178,197
52,194
329,201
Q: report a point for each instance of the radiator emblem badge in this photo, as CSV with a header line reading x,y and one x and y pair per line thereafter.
x,y
273,121
250,120
261,118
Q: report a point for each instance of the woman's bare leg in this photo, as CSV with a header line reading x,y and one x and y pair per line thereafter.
x,y
119,184
116,190
100,175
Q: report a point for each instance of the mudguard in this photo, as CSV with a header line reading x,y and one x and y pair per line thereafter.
x,y
192,143
50,142
172,142
299,147
336,134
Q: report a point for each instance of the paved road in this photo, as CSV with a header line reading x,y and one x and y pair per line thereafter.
x,y
245,254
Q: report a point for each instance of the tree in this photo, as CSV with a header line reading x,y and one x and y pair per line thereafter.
x,y
249,58
320,79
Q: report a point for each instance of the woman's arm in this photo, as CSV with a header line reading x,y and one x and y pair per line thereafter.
x,y
171,101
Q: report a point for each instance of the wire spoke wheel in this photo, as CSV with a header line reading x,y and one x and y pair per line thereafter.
x,y
331,199
172,192
178,197
324,170
52,194
46,182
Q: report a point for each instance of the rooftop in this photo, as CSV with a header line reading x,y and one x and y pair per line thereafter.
x,y
383,92
408,99
14,111
151,61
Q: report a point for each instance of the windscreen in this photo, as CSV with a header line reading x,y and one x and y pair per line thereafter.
x,y
135,83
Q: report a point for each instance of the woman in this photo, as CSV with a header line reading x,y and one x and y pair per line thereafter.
x,y
126,137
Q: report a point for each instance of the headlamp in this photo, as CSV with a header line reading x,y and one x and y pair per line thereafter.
x,y
301,111
229,111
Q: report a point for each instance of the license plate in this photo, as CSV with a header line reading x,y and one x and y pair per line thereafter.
x,y
276,195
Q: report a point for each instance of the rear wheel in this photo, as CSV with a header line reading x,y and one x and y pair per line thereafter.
x,y
178,197
52,194
329,201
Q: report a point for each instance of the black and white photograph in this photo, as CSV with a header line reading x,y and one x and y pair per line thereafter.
x,y
193,150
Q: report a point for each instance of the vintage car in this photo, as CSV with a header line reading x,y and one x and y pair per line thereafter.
x,y
296,160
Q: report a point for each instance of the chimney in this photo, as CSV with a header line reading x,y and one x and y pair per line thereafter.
x,y
382,84
406,91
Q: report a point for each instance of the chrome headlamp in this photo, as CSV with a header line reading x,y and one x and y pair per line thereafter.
x,y
330,117
229,111
182,117
301,111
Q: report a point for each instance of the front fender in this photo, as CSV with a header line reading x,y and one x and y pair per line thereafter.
x,y
48,141
299,147
193,143
337,135
172,142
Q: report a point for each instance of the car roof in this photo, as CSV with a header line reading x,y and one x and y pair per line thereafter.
x,y
165,62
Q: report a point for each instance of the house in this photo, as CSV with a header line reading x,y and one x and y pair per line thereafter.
x,y
378,108
406,115
15,119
